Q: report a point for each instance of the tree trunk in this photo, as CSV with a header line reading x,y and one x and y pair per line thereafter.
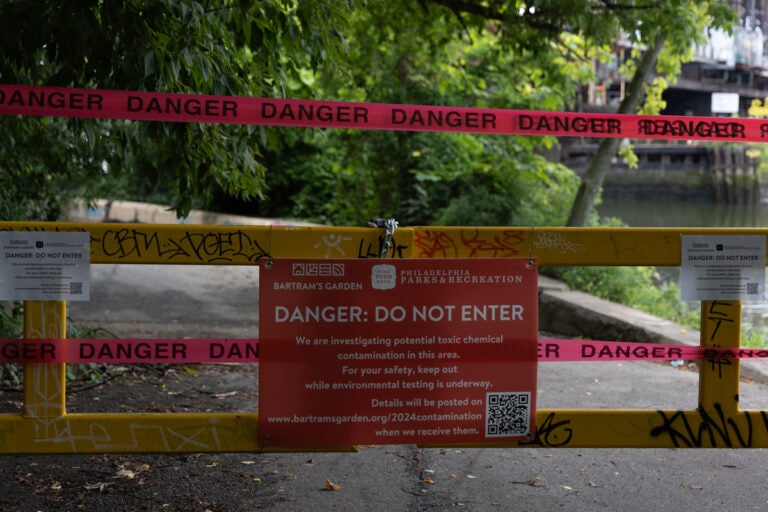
x,y
592,180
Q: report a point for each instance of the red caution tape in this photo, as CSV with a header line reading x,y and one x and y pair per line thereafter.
x,y
80,350
590,350
196,108
246,350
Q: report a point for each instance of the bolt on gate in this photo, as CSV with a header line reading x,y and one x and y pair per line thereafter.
x,y
45,426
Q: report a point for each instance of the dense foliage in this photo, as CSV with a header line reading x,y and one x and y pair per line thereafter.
x,y
229,47
506,53
346,177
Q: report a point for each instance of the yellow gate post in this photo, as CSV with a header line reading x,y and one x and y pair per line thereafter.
x,y
45,384
719,377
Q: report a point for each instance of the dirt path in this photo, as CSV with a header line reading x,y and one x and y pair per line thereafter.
x,y
196,482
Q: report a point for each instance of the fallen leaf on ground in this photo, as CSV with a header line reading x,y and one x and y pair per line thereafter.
x,y
125,473
330,486
100,486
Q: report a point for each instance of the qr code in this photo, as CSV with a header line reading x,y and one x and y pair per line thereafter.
x,y
507,414
76,288
753,288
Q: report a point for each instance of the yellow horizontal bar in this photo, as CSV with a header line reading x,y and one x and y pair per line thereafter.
x,y
129,433
219,245
246,245
236,432
563,246
627,428
135,433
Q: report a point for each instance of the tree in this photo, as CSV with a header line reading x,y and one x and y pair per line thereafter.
x,y
501,54
666,28
666,47
398,53
228,47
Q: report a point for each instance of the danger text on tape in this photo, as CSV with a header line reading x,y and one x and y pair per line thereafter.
x,y
246,350
171,107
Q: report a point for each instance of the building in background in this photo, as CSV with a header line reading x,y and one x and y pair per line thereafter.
x,y
728,74
728,77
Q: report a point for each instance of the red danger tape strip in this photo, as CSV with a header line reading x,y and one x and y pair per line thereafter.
x,y
590,350
196,108
81,350
246,350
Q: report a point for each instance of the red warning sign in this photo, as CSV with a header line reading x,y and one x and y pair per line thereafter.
x,y
397,351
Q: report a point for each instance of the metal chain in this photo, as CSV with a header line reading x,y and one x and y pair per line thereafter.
x,y
389,226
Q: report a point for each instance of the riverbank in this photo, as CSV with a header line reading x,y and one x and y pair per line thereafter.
x,y
680,172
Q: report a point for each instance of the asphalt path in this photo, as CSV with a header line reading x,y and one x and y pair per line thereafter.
x,y
196,301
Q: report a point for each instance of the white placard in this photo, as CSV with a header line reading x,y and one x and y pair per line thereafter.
x,y
41,265
722,267
725,103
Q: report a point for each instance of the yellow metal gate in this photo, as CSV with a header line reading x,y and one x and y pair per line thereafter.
x,y
44,426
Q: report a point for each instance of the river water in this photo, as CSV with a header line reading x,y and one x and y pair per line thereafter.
x,y
659,213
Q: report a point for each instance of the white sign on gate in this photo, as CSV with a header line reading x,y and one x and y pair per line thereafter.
x,y
40,265
725,267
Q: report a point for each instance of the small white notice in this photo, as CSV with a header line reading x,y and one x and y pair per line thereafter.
x,y
722,267
41,265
